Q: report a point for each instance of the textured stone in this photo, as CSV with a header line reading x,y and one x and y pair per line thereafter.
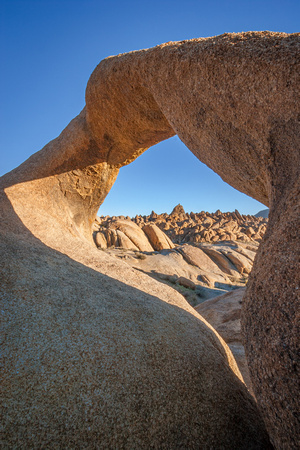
x,y
177,210
92,358
234,101
158,239
133,233
241,262
271,318
125,241
220,259
206,227
197,257
224,314
185,282
100,240
188,262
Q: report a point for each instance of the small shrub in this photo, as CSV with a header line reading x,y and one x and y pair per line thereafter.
x,y
140,256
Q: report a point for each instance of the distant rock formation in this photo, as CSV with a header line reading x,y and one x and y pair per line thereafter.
x,y
177,210
211,266
263,213
207,227
180,227
98,352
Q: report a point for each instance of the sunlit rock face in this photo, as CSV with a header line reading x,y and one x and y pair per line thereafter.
x,y
98,352
194,228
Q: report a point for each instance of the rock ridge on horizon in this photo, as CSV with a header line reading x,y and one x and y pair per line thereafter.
x,y
181,227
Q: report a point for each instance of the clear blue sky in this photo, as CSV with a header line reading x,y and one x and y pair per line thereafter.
x,y
49,49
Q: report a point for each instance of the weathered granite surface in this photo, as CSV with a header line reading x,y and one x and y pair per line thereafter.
x,y
99,353
224,314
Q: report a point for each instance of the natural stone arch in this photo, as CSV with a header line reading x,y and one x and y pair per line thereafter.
x,y
233,101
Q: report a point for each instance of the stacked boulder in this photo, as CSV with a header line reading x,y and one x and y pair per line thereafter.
x,y
124,233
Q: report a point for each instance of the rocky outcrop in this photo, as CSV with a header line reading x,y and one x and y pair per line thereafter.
x,y
270,320
83,334
163,230
178,210
224,314
93,357
128,235
263,213
158,239
197,256
193,268
193,228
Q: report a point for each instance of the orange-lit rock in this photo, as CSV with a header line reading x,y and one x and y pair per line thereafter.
x,y
97,352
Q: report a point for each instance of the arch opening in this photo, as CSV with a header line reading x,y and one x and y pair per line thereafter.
x,y
168,174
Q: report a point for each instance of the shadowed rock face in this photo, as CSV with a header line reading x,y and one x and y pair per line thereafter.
x,y
224,313
233,100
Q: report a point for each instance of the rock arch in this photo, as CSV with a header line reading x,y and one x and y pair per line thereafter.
x,y
234,101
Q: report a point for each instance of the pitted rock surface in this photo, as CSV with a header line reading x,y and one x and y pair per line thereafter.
x,y
92,356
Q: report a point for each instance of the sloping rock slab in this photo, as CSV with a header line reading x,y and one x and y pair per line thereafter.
x,y
224,314
90,361
158,239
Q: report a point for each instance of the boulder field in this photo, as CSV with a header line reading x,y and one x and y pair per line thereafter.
x,y
205,269
181,227
99,355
